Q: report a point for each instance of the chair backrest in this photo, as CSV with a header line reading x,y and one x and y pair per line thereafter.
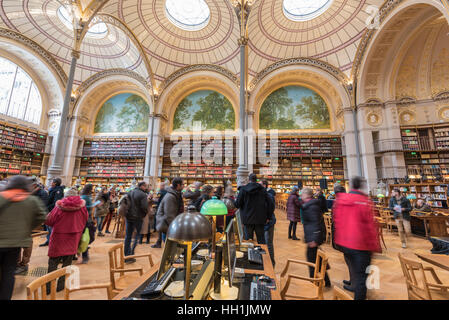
x,y
340,294
415,279
320,265
386,215
328,223
116,261
41,283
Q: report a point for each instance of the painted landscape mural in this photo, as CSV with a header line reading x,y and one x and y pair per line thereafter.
x,y
294,107
125,112
211,108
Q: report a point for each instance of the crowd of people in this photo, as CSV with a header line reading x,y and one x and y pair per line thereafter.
x,y
74,216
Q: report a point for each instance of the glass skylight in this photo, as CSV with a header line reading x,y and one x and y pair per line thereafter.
x,y
191,15
303,10
19,96
98,30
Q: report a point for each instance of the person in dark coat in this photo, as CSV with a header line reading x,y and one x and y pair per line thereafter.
x,y
38,191
193,195
55,193
138,209
293,212
256,207
161,194
206,194
323,203
269,226
171,207
314,228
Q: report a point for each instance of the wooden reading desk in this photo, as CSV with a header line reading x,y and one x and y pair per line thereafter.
x,y
439,260
435,221
267,270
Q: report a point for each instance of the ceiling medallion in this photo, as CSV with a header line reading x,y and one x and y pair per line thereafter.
x,y
374,119
444,113
407,117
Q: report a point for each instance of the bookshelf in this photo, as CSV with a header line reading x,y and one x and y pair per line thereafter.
x,y
208,173
436,193
426,152
21,150
112,161
305,158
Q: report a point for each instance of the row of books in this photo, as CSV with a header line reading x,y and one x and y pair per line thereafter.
x,y
18,138
115,148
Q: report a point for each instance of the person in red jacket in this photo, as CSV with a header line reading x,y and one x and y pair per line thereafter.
x,y
68,220
355,234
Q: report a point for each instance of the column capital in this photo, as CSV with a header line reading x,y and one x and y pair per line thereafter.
x,y
243,41
76,54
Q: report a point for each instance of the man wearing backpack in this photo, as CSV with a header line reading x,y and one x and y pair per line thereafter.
x,y
256,208
137,210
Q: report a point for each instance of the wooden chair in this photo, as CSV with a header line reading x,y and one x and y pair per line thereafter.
x,y
418,287
317,280
340,294
387,219
119,227
328,223
52,277
117,265
381,224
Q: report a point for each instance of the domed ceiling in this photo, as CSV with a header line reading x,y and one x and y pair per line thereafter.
x,y
329,30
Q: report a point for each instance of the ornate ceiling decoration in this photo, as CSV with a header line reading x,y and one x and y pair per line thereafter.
x,y
142,39
38,20
332,37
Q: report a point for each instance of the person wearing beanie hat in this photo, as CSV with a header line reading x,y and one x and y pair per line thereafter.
x,y
72,192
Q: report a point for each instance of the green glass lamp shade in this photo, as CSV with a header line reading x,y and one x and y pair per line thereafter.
x,y
190,226
214,207
411,197
380,195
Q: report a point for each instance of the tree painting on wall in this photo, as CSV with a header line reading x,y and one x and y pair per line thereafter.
x,y
294,107
211,108
125,112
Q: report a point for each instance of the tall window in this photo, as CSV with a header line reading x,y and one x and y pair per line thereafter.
x,y
19,96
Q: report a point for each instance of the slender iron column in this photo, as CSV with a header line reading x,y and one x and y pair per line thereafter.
x,y
57,164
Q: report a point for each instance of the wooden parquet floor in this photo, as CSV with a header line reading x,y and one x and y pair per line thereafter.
x,y
392,285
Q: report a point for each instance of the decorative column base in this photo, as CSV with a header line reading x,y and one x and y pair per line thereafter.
x,y
242,176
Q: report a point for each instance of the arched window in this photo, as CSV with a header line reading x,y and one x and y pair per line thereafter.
x,y
19,96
